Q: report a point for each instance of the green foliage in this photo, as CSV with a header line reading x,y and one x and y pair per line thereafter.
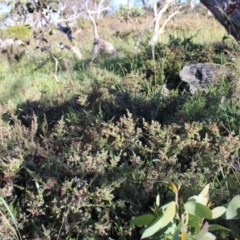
x,y
127,13
6,227
21,32
80,157
180,220
214,106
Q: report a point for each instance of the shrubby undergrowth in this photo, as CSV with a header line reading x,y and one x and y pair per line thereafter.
x,y
80,158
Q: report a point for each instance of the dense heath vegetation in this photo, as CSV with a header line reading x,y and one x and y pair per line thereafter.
x,y
81,157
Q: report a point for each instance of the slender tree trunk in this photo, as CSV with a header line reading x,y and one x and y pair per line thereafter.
x,y
129,4
227,12
157,18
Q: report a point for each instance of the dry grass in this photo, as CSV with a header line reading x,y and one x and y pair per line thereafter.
x,y
114,29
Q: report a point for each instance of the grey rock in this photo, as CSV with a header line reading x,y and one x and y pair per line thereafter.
x,y
200,75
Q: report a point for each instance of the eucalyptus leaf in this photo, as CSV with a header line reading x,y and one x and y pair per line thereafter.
x,y
167,230
218,212
178,230
203,231
202,200
207,236
216,227
203,211
190,206
205,191
162,222
233,207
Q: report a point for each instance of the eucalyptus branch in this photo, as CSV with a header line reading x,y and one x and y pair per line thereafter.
x,y
161,30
